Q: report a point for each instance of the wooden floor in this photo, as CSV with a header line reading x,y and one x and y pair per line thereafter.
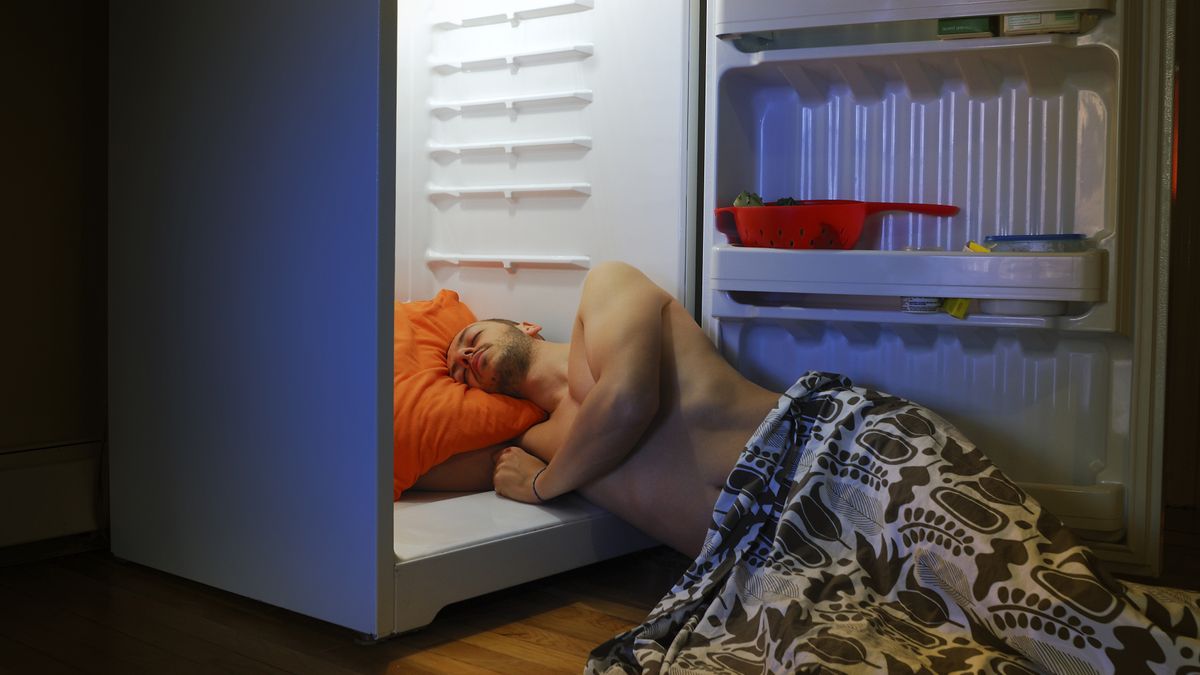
x,y
88,612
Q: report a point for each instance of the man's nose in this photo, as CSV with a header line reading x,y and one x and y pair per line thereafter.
x,y
464,354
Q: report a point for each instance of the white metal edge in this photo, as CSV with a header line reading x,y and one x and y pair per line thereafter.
x,y
1154,197
693,76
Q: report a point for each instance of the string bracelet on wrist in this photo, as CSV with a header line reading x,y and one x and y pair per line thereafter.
x,y
533,484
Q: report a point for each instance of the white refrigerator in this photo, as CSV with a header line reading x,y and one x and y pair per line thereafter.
x,y
503,148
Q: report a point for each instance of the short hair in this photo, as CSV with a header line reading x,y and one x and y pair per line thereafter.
x,y
508,322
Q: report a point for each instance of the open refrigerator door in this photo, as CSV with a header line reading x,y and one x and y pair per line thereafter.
x,y
1055,368
535,139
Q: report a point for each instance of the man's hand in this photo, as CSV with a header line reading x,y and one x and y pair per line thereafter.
x,y
513,476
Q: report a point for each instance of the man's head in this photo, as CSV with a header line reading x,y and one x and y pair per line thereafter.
x,y
493,355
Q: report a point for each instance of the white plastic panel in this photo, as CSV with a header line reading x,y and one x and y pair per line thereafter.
x,y
1021,133
744,16
1043,405
452,546
1017,132
433,523
520,176
1034,276
1028,135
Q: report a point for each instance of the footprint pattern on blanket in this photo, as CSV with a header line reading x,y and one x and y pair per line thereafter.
x,y
860,532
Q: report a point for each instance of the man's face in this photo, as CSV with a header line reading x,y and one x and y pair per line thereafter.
x,y
491,356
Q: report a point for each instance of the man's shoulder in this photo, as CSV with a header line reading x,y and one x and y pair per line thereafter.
x,y
610,270
613,277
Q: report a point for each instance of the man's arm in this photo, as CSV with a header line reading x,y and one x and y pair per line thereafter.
x,y
620,322
469,471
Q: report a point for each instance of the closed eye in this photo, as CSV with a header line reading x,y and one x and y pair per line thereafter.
x,y
457,370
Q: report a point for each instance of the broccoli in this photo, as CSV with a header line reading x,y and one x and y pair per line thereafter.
x,y
787,201
748,199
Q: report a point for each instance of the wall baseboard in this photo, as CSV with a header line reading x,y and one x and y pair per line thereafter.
x,y
49,493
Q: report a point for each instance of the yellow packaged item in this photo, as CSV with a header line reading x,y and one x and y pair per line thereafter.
x,y
957,307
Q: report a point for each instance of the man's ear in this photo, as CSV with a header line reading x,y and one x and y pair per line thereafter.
x,y
531,329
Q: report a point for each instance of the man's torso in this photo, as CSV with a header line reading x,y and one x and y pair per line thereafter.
x,y
668,484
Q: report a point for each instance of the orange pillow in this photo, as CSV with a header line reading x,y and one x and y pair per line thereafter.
x,y
435,417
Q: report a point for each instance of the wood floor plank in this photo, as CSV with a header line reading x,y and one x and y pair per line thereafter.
x,y
18,659
93,613
629,614
251,637
551,659
290,642
133,615
431,663
489,659
545,639
582,622
280,626
80,643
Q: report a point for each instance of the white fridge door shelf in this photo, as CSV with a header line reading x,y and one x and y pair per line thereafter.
x,y
1071,277
748,16
508,261
510,147
510,191
532,11
514,60
512,104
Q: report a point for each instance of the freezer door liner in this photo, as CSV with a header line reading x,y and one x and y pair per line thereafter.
x,y
1052,371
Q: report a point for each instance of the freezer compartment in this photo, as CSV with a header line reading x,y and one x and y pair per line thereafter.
x,y
1020,133
454,546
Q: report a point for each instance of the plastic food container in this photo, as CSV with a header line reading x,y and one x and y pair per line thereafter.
x,y
1036,243
811,223
1031,243
1023,307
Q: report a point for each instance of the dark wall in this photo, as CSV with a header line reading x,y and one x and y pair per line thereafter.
x,y
53,192
1181,461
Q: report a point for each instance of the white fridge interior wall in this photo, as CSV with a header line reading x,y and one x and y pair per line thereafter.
x,y
1025,134
537,138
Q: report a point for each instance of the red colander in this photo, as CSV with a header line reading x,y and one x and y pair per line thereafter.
x,y
810,223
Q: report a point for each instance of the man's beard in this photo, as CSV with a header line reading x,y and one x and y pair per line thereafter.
x,y
513,366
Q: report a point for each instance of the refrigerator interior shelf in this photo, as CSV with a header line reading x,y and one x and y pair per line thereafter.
x,y
511,103
726,308
1070,277
950,47
510,191
509,147
515,61
508,261
533,12
736,17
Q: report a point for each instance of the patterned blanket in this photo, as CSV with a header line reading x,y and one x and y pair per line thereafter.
x,y
862,533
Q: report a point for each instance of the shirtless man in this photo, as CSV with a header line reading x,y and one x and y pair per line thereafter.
x,y
646,418
850,528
